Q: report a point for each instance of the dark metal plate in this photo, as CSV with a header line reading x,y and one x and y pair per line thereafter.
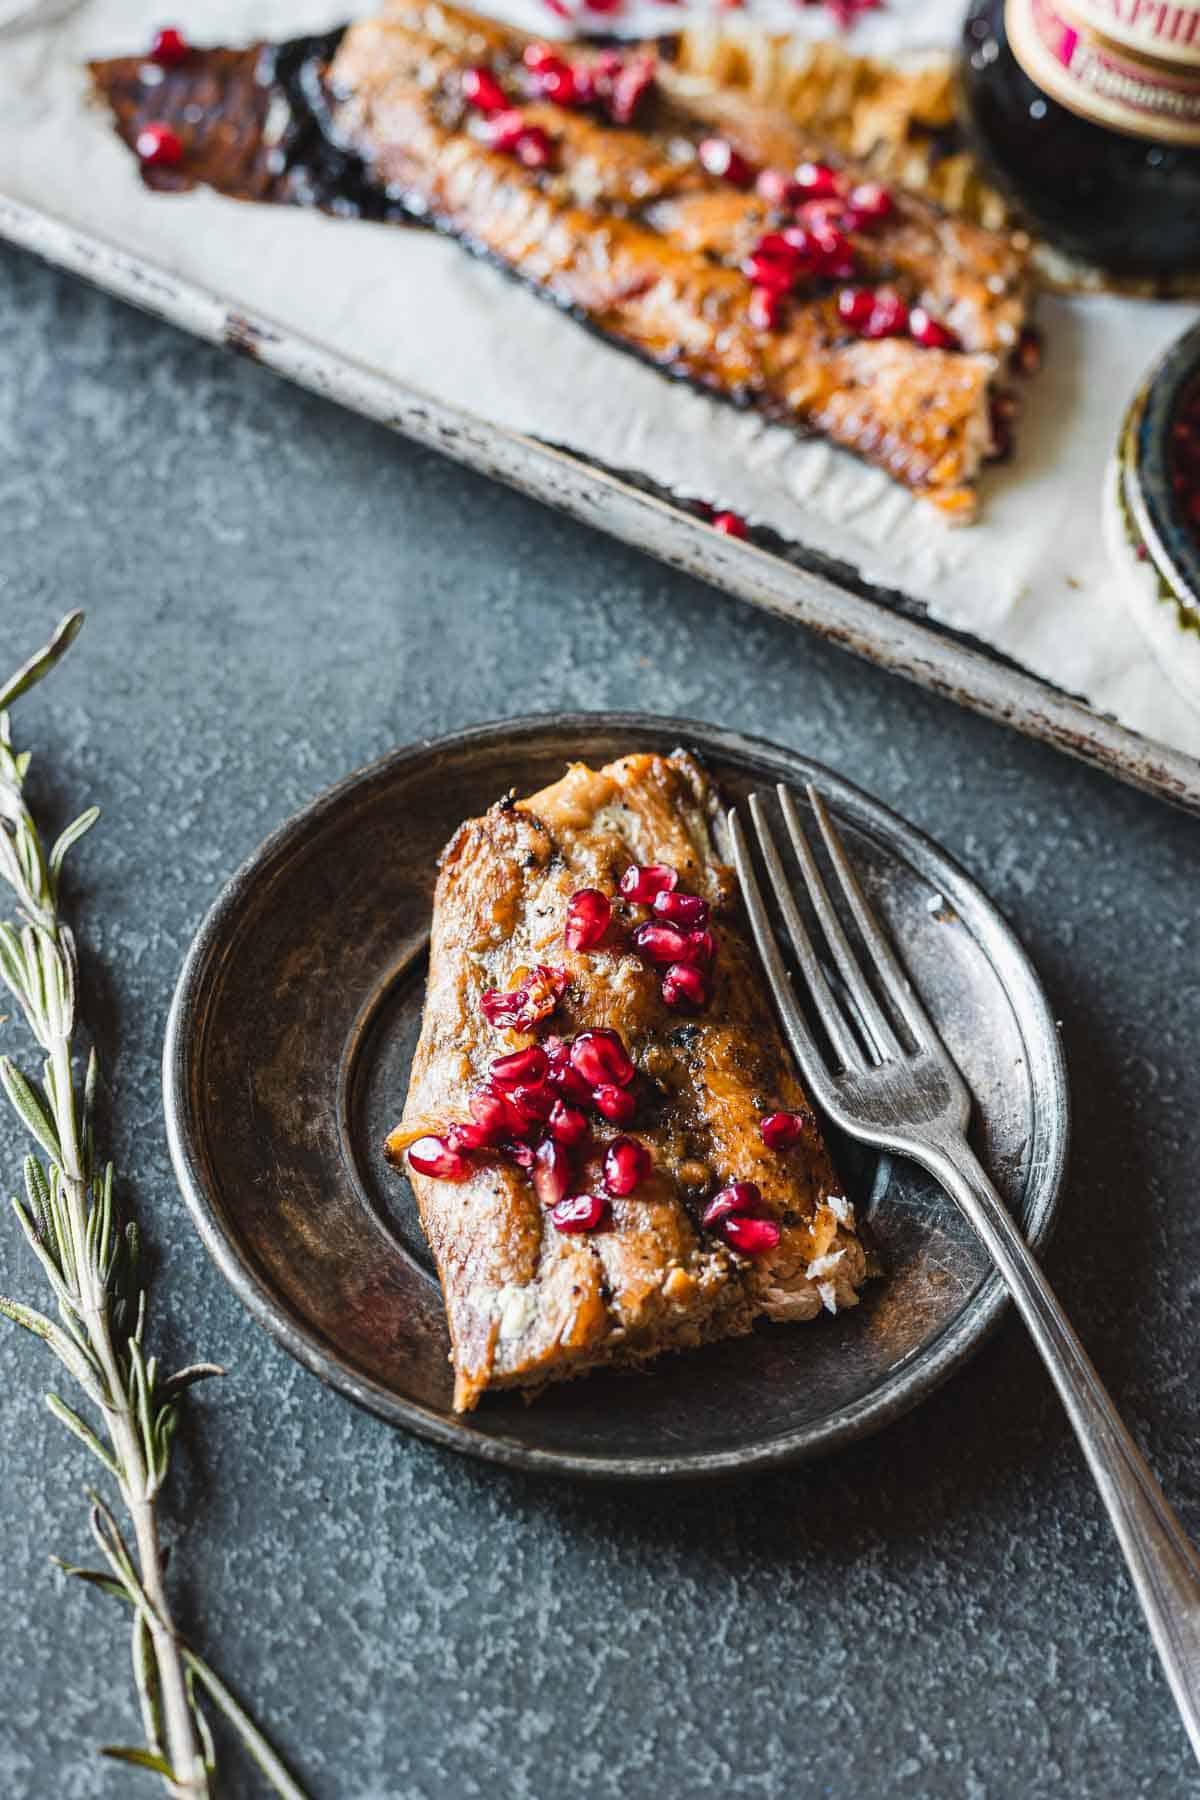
x,y
286,1062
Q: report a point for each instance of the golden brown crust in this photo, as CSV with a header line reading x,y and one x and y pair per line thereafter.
x,y
525,1303
647,246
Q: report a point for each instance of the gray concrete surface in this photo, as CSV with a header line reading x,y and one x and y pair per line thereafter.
x,y
277,593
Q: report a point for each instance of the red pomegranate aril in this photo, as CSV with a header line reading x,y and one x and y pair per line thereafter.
x,y
660,943
616,1104
765,310
718,157
481,89
468,1136
551,1172
730,524
684,987
534,148
929,332
775,273
870,202
855,306
554,78
816,181
433,1156
568,1124
534,1103
630,85
700,949
738,1197
582,1212
169,47
558,8
681,909
506,129
889,317
777,188
781,1130
588,915
529,1066
601,1057
626,1165
751,1236
644,882
490,1112
519,1153
159,147
537,56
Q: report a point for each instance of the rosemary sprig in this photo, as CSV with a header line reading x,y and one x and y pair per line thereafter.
x,y
91,1261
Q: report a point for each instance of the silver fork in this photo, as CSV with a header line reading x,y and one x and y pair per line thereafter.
x,y
900,1090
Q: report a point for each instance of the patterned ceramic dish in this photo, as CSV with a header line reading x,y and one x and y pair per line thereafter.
x,y
1154,541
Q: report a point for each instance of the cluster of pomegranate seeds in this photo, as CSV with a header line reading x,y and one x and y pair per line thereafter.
x,y
588,915
730,524
616,84
626,1165
676,939
521,1008
169,47
159,147
737,1214
782,1130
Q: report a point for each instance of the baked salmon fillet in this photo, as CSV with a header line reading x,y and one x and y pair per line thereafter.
x,y
611,1152
714,238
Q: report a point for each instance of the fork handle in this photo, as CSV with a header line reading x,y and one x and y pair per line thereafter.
x,y
1163,1564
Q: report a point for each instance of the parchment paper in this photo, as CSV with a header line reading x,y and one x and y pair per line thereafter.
x,y
1032,576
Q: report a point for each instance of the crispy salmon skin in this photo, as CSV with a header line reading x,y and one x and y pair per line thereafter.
x,y
528,1303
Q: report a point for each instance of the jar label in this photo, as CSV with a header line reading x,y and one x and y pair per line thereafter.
x,y
1130,65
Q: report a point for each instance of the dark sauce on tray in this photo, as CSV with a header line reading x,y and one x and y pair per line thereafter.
x,y
253,123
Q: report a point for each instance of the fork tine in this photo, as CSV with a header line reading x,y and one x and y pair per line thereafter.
x,y
887,963
873,1017
840,1035
795,1025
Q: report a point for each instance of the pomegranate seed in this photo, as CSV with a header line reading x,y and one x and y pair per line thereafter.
x,y
521,1154
642,884
661,943
684,987
539,56
616,1104
603,6
568,1124
491,1112
558,8
765,309
505,129
681,909
775,273
563,1077
820,245
777,189
626,1165
929,333
750,1236
481,89
855,306
630,85
523,1066
168,47
780,1130
468,1137
731,524
889,317
870,202
554,77
601,1057
534,148
700,950
718,157
816,181
159,147
433,1156
534,1103
588,915
582,1212
738,1197
551,1172
521,1008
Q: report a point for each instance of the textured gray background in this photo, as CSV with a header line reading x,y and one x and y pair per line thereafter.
x,y
277,593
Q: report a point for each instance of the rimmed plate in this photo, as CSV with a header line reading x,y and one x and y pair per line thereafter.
x,y
286,1062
